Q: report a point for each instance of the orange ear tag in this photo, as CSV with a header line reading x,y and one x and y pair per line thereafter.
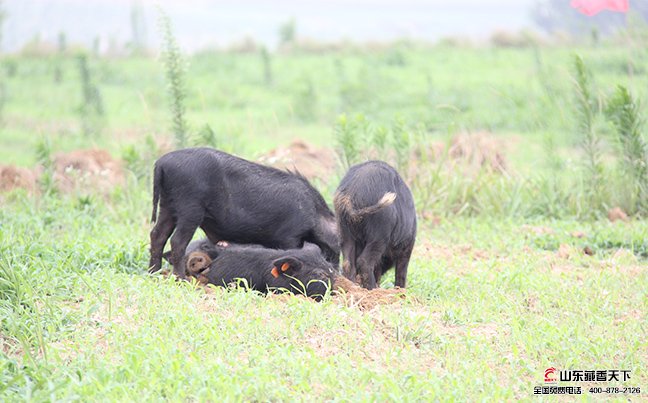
x,y
285,267
275,272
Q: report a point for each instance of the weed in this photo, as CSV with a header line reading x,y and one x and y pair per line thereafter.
x,y
207,137
625,112
91,108
305,101
586,110
43,151
58,63
175,66
138,29
266,62
288,32
348,135
401,142
139,160
3,100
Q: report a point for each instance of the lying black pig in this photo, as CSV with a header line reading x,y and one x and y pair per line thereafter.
x,y
301,271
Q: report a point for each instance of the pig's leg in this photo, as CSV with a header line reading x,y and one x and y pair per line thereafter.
x,y
382,267
401,267
349,267
368,260
159,236
185,229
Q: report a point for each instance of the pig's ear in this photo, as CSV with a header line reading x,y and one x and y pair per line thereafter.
x,y
286,264
167,256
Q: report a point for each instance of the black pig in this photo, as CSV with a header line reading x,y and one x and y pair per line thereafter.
x,y
377,223
301,271
234,199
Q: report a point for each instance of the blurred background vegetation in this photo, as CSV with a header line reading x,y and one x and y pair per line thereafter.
x,y
541,119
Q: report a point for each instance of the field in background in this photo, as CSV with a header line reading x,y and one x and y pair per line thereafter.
x,y
524,92
517,267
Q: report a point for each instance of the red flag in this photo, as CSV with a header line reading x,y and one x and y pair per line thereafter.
x,y
592,7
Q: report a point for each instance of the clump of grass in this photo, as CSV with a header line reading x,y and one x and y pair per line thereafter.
x,y
305,101
266,61
288,32
586,110
348,134
62,48
175,67
207,137
139,160
401,142
61,41
353,94
395,56
10,67
43,151
379,140
91,108
138,29
625,113
3,100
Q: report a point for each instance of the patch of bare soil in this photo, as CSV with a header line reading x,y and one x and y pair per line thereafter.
x,y
617,214
10,348
538,230
87,169
431,251
469,152
565,251
93,169
12,177
479,150
350,294
569,259
310,161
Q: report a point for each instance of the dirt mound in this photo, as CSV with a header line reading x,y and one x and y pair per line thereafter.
x,y
468,152
82,169
478,150
312,162
12,177
351,294
617,214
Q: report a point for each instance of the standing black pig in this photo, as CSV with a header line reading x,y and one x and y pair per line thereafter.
x,y
234,199
301,271
377,223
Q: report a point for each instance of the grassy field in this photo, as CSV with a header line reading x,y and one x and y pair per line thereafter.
x,y
510,275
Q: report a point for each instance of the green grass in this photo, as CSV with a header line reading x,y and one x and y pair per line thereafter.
x,y
491,305
499,286
442,89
